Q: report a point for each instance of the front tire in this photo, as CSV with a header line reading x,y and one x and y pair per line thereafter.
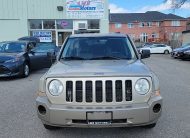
x,y
150,126
25,70
166,52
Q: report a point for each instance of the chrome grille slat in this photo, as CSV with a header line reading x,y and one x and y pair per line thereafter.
x,y
84,91
93,92
113,92
123,89
74,91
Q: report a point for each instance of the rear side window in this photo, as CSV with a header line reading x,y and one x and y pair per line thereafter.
x,y
43,48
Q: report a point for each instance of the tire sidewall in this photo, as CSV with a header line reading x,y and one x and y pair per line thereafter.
x,y
25,67
166,52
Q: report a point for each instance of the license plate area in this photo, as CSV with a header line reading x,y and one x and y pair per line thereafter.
x,y
99,118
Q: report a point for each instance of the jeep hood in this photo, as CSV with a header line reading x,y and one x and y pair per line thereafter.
x,y
102,68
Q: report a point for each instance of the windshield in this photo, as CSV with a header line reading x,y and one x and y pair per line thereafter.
x,y
13,47
44,47
98,49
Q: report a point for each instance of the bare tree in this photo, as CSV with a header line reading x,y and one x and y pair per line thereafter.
x,y
176,4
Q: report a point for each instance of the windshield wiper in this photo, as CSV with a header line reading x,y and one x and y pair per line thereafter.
x,y
72,58
107,58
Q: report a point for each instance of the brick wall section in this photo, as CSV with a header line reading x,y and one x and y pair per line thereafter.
x,y
163,31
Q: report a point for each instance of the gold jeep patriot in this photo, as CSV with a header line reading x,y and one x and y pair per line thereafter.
x,y
99,81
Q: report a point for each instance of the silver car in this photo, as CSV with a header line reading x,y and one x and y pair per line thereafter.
x,y
99,81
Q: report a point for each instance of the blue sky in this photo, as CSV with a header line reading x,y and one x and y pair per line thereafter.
x,y
146,5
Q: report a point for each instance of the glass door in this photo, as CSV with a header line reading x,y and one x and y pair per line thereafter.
x,y
62,36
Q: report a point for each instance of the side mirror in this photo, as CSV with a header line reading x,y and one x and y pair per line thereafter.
x,y
30,47
145,54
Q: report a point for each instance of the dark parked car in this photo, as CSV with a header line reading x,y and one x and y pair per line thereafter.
x,y
184,55
18,58
175,52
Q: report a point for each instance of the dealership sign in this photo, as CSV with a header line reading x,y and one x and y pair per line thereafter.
x,y
81,9
44,36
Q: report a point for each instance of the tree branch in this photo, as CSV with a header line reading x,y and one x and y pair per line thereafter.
x,y
176,4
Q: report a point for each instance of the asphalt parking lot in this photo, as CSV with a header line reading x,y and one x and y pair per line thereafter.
x,y
18,118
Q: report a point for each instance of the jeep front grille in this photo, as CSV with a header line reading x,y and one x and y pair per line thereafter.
x,y
99,91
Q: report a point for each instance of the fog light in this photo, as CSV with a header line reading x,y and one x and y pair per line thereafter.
x,y
41,94
157,93
157,108
42,110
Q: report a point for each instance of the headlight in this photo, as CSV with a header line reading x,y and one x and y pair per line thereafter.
x,y
142,86
187,52
55,87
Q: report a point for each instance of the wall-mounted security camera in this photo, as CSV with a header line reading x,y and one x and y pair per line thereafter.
x,y
60,8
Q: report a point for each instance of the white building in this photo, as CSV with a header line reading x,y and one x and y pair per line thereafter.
x,y
52,20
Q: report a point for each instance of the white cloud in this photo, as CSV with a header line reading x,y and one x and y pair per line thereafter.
x,y
116,9
186,6
163,7
160,7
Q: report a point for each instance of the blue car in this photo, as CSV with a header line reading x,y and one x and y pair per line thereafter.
x,y
176,52
19,58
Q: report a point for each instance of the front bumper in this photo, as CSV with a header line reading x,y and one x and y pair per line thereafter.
x,y
183,55
120,116
10,69
175,54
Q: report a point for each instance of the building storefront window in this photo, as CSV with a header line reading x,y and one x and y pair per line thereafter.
x,y
93,24
48,27
49,24
57,30
35,24
53,35
64,24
